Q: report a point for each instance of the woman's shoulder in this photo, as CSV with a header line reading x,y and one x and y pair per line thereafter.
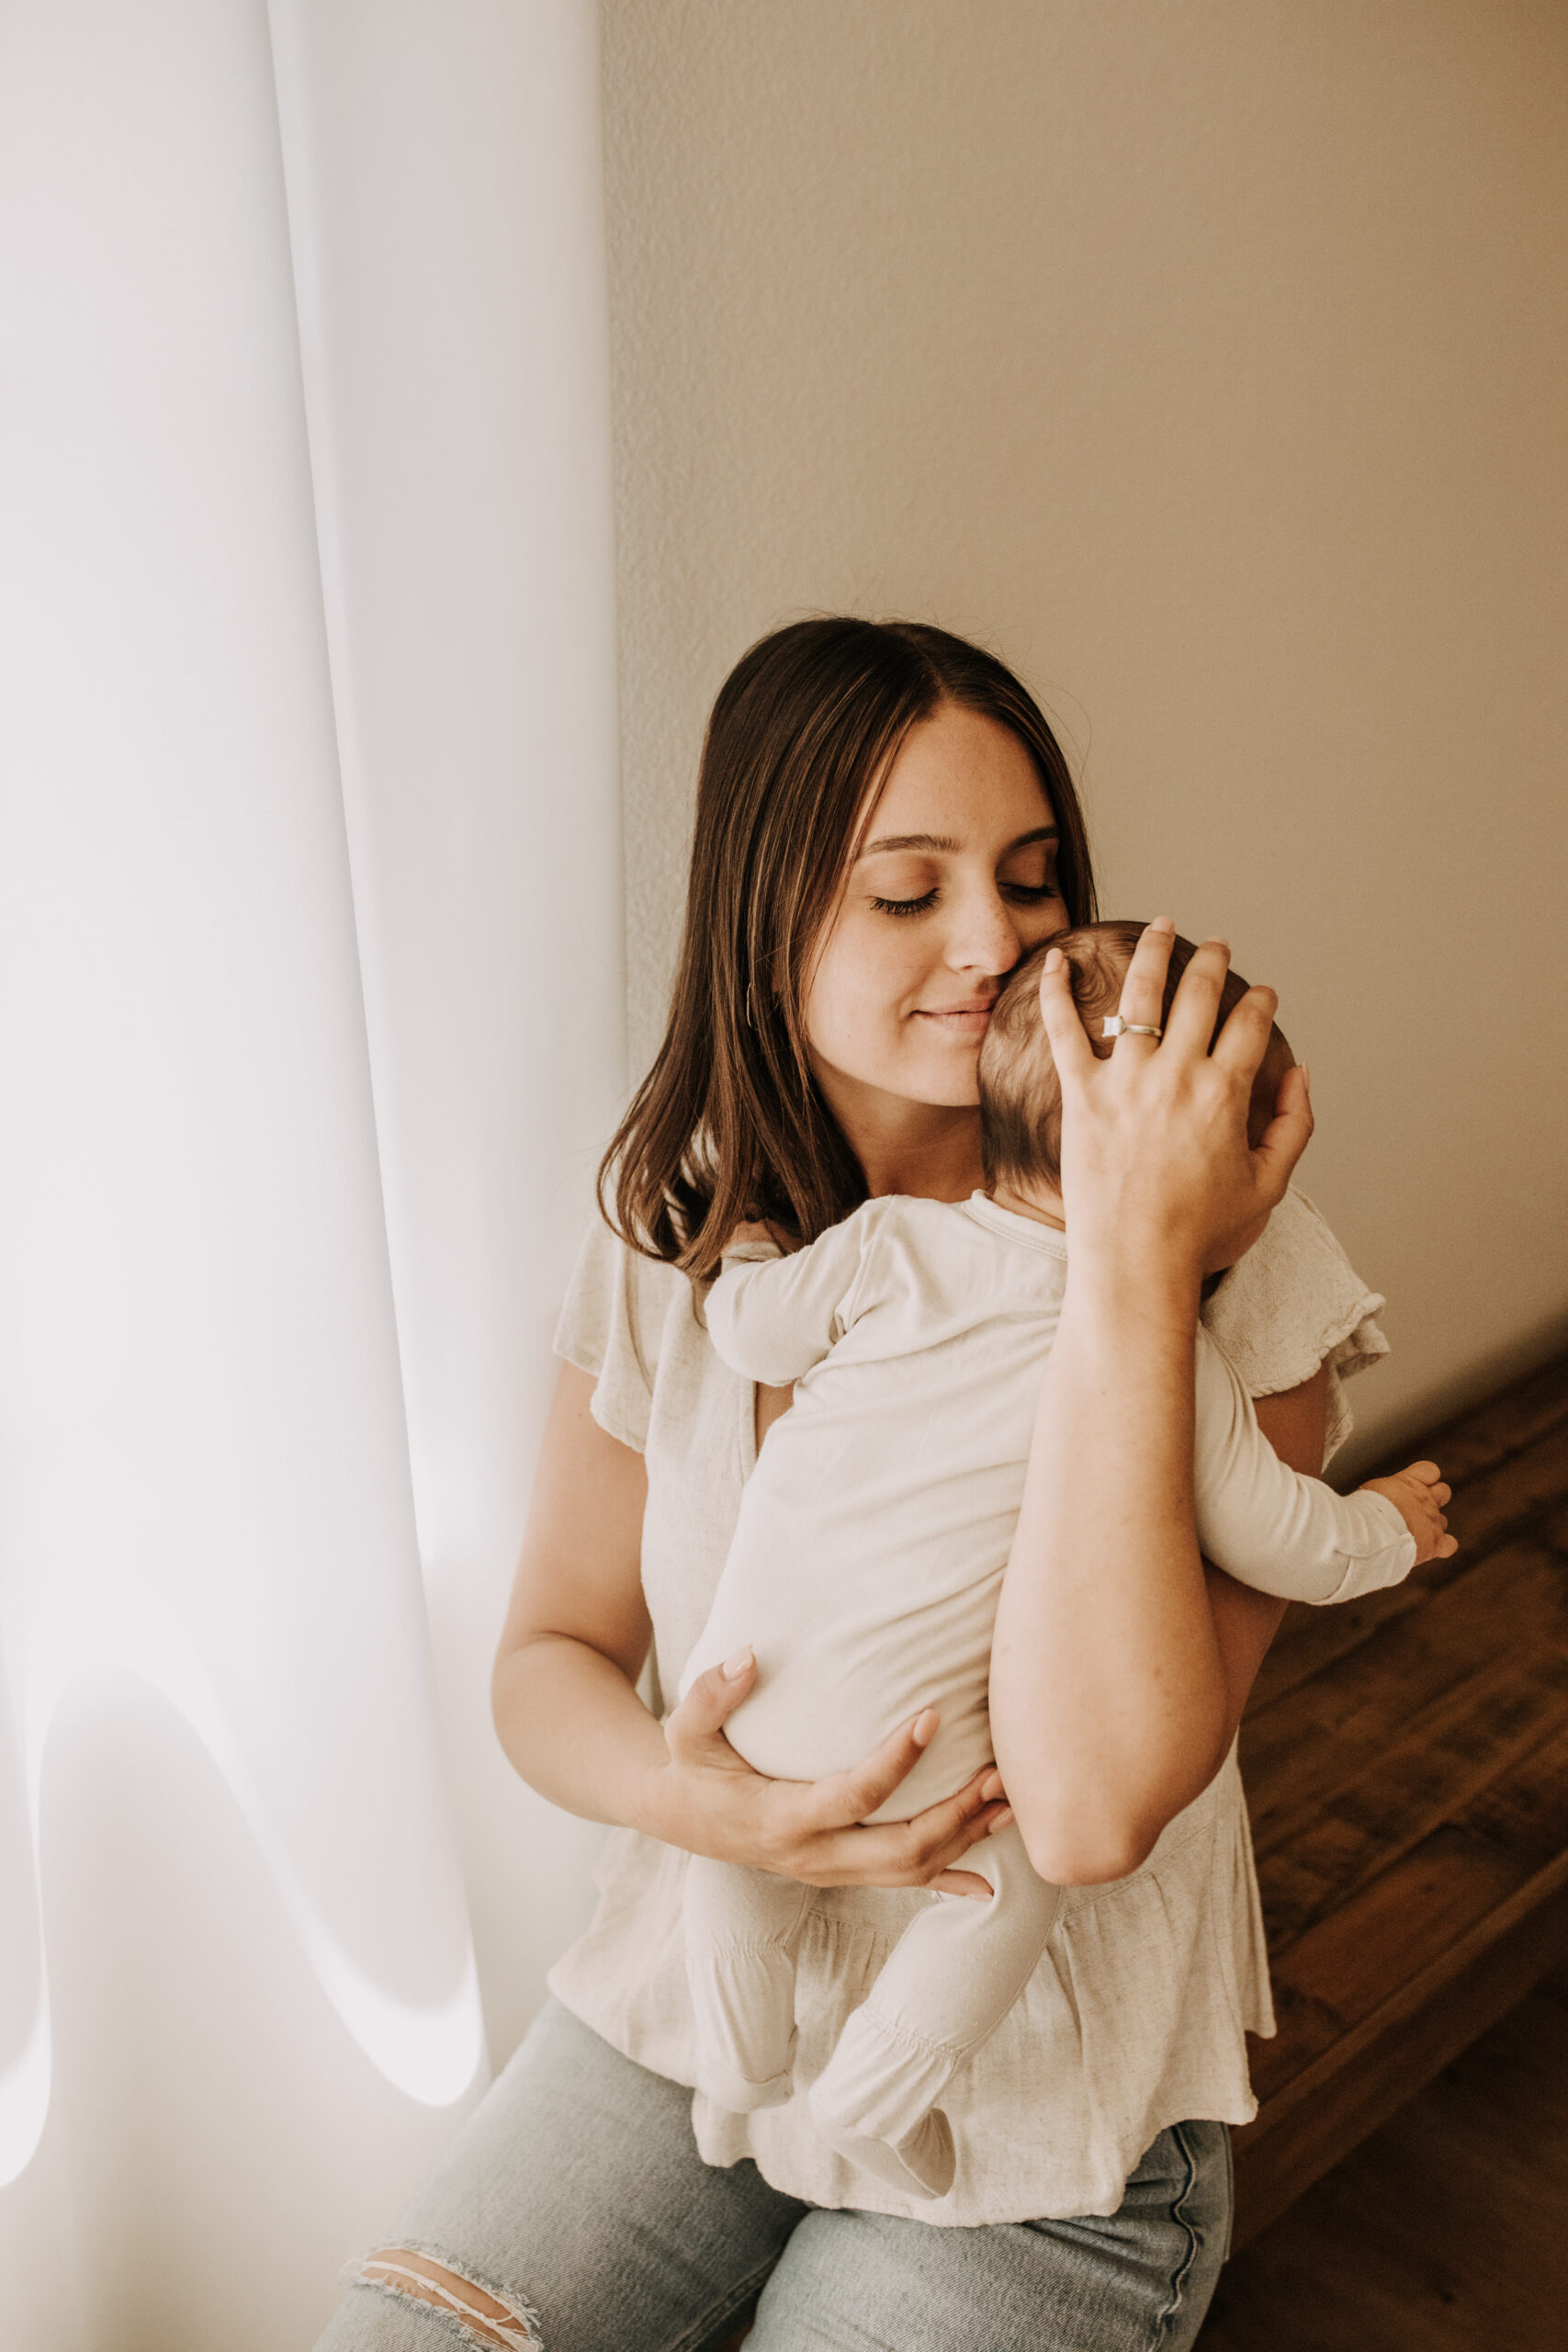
x,y
1293,1303
612,1323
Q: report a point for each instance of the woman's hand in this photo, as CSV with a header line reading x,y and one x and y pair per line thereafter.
x,y
707,1799
1154,1151
1113,1695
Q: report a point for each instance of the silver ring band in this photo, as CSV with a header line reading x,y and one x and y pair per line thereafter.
x,y
1114,1026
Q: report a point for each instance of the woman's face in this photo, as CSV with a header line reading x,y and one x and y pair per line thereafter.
x,y
955,881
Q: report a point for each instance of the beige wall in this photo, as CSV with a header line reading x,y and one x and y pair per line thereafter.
x,y
1207,361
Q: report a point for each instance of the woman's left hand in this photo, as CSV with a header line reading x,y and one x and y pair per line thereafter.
x,y
710,1801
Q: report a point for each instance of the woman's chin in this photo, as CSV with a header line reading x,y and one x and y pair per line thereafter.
x,y
943,1087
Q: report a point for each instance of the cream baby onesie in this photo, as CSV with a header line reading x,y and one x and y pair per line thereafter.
x,y
864,1571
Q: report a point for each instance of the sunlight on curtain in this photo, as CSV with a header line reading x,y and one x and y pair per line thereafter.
x,y
445,191
288,1169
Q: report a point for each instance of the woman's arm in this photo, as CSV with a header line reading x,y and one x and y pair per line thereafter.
x,y
566,1706
1116,1682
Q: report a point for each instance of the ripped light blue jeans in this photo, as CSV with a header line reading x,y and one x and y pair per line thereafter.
x,y
575,2202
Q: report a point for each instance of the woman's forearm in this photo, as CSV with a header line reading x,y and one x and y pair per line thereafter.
x,y
1115,1686
575,1729
1111,1708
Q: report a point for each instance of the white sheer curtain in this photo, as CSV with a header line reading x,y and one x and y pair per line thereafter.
x,y
310,1023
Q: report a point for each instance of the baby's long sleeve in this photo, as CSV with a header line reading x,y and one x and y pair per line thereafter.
x,y
1269,1527
773,1317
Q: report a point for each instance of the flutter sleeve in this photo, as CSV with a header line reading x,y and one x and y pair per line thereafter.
x,y
610,1325
1295,1302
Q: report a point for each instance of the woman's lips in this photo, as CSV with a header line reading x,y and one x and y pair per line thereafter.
x,y
962,1021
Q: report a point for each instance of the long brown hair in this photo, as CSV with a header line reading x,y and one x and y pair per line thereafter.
x,y
729,1123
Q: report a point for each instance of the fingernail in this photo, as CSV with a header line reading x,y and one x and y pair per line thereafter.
x,y
735,1666
1000,1821
1054,959
925,1724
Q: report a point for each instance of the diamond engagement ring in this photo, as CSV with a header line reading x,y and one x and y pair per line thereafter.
x,y
1114,1026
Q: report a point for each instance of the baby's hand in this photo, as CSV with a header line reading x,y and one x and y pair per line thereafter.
x,y
1418,1495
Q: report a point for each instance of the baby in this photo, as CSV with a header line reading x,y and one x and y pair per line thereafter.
x,y
868,1557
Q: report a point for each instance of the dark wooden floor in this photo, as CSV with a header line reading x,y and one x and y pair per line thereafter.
x,y
1406,1767
1446,2232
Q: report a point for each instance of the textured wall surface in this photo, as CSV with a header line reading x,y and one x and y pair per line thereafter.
x,y
1206,360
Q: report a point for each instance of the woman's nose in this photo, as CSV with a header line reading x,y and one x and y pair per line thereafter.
x,y
982,935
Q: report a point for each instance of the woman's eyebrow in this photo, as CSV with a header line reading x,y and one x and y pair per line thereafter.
x,y
946,841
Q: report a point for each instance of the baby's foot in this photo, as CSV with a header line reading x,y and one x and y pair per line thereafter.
x,y
735,2091
920,2165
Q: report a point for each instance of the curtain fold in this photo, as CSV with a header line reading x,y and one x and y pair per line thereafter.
x,y
309,1019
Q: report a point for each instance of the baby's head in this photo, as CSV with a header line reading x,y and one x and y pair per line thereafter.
x,y
1020,1101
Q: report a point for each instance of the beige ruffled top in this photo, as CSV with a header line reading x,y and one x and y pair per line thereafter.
x,y
1136,2015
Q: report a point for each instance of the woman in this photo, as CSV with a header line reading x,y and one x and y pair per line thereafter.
x,y
885,824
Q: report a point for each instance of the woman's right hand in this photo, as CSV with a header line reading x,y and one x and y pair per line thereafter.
x,y
710,1800
1155,1150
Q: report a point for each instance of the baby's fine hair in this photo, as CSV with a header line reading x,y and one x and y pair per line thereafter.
x,y
1020,1098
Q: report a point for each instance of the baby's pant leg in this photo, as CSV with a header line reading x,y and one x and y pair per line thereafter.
x,y
742,1931
944,1989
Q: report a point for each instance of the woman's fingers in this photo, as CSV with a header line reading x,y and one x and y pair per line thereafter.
x,y
927,1849
842,1799
1288,1134
700,1715
915,1852
1243,1042
1195,1007
1070,1042
1143,988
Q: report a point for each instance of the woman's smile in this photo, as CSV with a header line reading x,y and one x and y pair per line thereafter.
x,y
965,1022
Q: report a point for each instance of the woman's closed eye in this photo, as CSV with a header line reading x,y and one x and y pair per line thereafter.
x,y
1026,894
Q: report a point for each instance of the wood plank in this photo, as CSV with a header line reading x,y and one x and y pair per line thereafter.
x,y
1406,1761
1487,1443
1484,1730
1310,1641
1347,1967
1317,1741
1330,2109
1446,2232
1485,1509
1526,1812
